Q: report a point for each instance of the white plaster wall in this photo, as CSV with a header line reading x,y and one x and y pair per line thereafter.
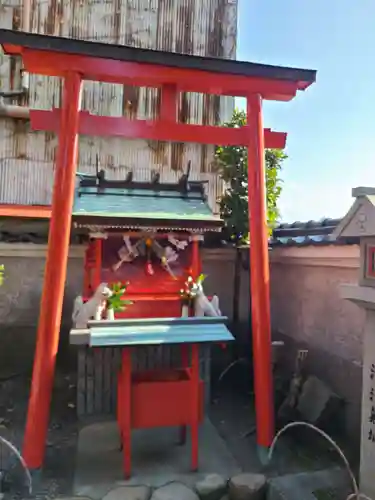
x,y
308,311
306,308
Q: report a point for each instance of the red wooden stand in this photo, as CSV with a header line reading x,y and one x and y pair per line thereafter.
x,y
167,398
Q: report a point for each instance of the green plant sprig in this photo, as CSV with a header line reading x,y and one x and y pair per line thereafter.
x,y
116,302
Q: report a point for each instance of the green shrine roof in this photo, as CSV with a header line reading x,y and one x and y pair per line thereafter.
x,y
118,205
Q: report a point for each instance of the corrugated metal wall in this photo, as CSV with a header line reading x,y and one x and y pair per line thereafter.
x,y
202,27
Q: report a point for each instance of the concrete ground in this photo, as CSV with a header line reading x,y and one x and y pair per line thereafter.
x,y
157,459
233,415
224,448
58,472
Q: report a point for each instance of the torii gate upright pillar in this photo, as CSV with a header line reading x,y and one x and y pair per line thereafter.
x,y
54,276
259,276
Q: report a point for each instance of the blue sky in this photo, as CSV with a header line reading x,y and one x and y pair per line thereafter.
x,y
331,126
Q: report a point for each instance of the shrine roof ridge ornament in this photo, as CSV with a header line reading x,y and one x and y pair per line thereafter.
x,y
12,40
101,186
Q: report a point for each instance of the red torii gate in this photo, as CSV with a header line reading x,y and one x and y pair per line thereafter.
x,y
75,61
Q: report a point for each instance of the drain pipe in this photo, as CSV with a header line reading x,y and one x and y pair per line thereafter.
x,y
26,18
11,110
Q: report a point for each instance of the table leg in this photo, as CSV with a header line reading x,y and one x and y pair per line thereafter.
x,y
125,413
119,405
185,364
194,405
182,437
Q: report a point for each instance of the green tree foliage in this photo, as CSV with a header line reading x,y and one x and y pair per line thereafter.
x,y
232,164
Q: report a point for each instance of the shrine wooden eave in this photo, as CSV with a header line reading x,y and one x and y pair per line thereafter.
x,y
153,331
55,56
25,211
115,208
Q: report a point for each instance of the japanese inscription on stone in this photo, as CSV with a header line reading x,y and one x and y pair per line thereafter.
x,y
371,418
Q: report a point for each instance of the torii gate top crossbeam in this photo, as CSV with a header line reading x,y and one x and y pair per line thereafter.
x,y
172,73
53,56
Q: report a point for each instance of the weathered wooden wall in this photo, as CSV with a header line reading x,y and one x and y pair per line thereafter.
x,y
201,27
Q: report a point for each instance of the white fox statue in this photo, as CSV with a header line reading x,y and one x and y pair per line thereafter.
x,y
92,309
204,307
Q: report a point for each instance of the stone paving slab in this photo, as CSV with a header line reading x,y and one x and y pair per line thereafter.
x,y
157,459
330,483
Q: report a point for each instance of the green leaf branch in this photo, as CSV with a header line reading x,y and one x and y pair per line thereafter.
x,y
231,162
116,301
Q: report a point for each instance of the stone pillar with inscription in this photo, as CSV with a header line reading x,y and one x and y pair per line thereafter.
x,y
359,224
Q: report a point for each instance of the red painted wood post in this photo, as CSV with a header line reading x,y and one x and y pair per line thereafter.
x,y
260,288
195,269
54,277
195,257
126,409
86,272
98,263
